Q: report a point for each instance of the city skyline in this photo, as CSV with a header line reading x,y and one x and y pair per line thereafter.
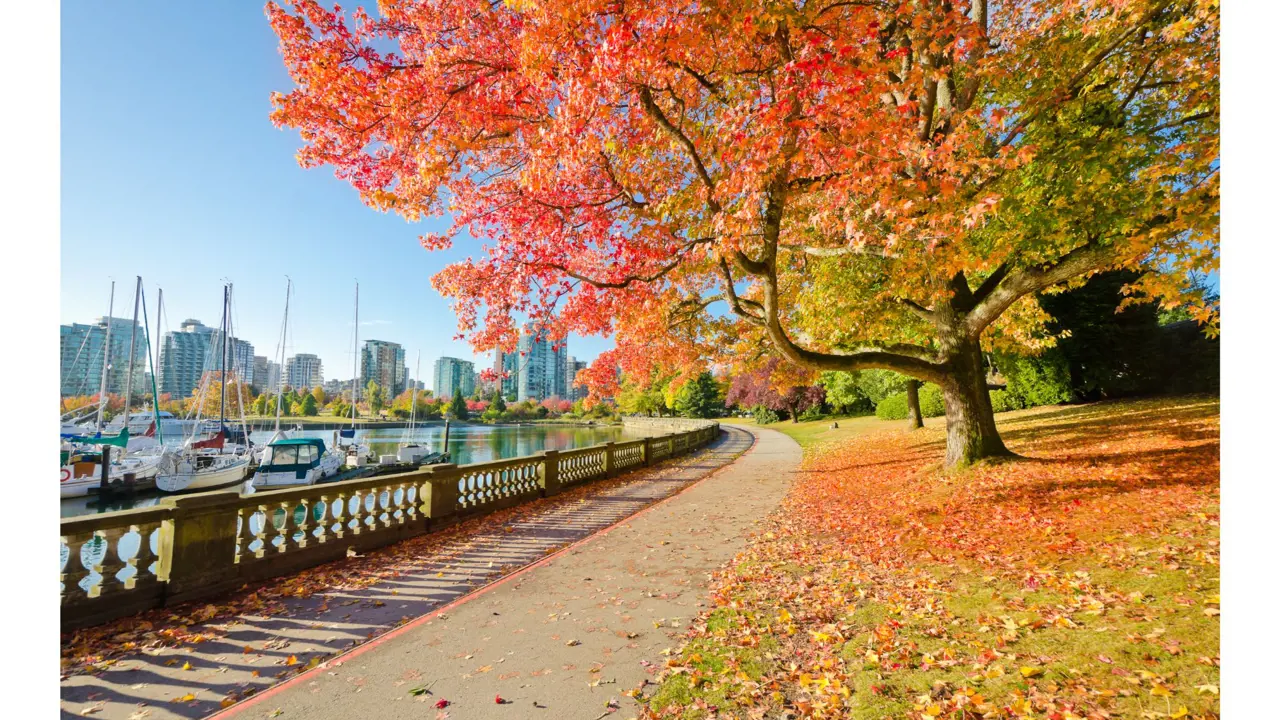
x,y
199,186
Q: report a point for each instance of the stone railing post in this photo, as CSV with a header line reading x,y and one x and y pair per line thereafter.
x,y
549,473
646,452
440,493
608,459
198,545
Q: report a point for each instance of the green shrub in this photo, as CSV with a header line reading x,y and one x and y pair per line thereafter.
x,y
931,404
1041,380
813,413
894,407
1004,401
764,415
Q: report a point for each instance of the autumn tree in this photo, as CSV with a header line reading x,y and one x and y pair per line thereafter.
x,y
375,396
843,185
772,386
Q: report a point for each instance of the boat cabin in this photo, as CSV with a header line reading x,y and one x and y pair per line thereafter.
x,y
296,455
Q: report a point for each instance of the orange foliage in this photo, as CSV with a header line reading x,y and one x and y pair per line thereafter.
x,y
881,577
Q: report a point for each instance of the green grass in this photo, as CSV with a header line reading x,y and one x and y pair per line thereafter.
x,y
816,432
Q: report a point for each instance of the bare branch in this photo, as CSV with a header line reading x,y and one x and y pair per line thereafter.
x,y
628,280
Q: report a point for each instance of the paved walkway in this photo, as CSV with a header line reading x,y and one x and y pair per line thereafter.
x,y
250,653
567,637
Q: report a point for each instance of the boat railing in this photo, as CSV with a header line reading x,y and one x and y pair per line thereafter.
x,y
192,547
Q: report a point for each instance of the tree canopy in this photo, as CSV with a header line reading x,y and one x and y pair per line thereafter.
x,y
840,185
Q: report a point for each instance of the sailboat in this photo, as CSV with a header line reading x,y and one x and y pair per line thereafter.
x,y
287,461
209,463
81,471
410,451
358,455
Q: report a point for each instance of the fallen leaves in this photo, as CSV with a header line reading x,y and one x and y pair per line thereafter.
x,y
1056,586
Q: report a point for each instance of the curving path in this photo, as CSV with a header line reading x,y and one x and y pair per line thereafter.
x,y
655,565
567,636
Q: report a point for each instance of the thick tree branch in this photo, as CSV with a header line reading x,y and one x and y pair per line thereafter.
x,y
737,304
1014,286
655,112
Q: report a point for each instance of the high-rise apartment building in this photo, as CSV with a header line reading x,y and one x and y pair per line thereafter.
x,y
239,356
260,373
453,377
574,391
188,353
184,355
80,354
542,368
383,363
273,376
303,370
507,367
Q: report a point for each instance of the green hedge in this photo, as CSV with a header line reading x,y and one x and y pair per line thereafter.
x,y
764,416
894,407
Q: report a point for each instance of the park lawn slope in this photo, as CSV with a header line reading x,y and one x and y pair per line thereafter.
x,y
1078,582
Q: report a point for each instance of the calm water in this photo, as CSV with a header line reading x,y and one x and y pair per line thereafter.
x,y
467,444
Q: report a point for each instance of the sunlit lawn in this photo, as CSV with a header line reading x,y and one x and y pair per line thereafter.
x,y
1079,581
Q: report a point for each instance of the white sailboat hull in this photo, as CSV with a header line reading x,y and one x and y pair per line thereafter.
x,y
412,453
221,474
143,469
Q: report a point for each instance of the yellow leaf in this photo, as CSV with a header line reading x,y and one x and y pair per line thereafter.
x,y
1207,689
1182,712
784,616
227,702
1160,691
185,698
313,662
1030,672
186,666
293,660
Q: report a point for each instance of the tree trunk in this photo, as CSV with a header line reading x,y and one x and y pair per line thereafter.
x,y
971,424
914,420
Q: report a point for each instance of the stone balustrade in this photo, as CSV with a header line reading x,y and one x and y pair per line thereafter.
x,y
191,547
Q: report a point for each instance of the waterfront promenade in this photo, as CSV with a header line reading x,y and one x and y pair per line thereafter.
x,y
655,565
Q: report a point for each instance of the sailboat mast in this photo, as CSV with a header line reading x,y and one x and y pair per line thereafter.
x,y
133,346
222,402
355,362
413,402
155,390
284,339
106,360
159,314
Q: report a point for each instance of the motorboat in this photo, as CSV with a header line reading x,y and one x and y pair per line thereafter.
x,y
297,461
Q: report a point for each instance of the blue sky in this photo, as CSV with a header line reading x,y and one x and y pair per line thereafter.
x,y
172,170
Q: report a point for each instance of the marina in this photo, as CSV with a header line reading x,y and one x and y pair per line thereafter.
x,y
467,444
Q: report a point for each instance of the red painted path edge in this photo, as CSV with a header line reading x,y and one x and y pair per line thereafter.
x,y
347,655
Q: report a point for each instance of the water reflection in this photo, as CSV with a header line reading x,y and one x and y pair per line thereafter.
x,y
467,444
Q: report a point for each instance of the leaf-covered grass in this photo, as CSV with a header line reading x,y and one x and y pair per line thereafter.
x,y
814,432
1080,581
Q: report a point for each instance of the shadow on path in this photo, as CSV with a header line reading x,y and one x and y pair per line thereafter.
x,y
247,653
